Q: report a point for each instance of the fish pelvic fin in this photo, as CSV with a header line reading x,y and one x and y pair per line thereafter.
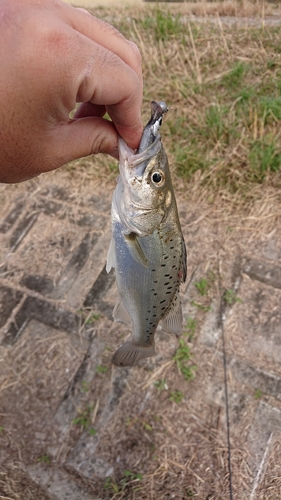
x,y
130,353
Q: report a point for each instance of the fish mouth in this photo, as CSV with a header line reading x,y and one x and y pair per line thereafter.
x,y
151,130
150,143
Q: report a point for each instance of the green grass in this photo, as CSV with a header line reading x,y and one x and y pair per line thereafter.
x,y
202,286
163,24
230,297
190,328
182,359
129,479
223,87
176,396
84,420
161,385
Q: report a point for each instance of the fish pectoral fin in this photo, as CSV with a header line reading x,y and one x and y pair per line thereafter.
x,y
130,353
135,249
172,321
110,262
120,313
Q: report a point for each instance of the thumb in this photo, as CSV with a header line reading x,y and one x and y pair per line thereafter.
x,y
83,137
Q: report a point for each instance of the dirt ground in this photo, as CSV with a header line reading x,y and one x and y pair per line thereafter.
x,y
75,427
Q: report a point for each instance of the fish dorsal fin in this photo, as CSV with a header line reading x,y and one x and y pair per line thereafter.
x,y
110,263
120,313
135,249
172,321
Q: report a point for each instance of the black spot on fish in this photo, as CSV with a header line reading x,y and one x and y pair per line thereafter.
x,y
163,265
162,301
169,287
155,281
154,316
167,283
166,257
166,275
163,308
155,293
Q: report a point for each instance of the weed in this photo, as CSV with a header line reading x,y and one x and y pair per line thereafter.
x,y
147,426
182,359
45,459
163,24
84,420
161,385
200,306
176,396
264,156
2,428
84,386
258,394
230,297
101,369
235,77
109,484
129,477
92,319
202,286
190,328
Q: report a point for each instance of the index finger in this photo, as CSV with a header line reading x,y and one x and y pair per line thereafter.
x,y
125,112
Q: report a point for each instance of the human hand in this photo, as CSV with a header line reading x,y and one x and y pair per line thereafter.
x,y
53,56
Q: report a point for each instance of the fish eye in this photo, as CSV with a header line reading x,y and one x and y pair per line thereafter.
x,y
157,177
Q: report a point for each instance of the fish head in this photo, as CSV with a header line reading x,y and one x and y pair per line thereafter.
x,y
147,189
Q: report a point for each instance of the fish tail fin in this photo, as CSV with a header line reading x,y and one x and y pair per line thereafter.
x,y
130,353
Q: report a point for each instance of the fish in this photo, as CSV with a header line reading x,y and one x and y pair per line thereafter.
x,y
147,248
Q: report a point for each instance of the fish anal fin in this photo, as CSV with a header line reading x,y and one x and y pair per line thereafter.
x,y
135,249
130,353
120,313
172,321
110,263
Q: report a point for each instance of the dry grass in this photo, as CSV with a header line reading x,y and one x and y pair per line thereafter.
x,y
222,82
222,136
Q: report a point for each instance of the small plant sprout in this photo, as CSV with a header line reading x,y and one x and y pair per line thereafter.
x,y
45,459
84,386
230,297
190,328
130,477
92,318
84,420
202,286
258,394
200,306
161,385
182,359
176,396
101,369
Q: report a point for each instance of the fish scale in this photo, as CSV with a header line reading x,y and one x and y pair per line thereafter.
x,y
147,248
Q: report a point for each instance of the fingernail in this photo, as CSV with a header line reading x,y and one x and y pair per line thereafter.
x,y
115,153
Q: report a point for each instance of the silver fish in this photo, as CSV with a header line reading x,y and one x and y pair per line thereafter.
x,y
147,248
